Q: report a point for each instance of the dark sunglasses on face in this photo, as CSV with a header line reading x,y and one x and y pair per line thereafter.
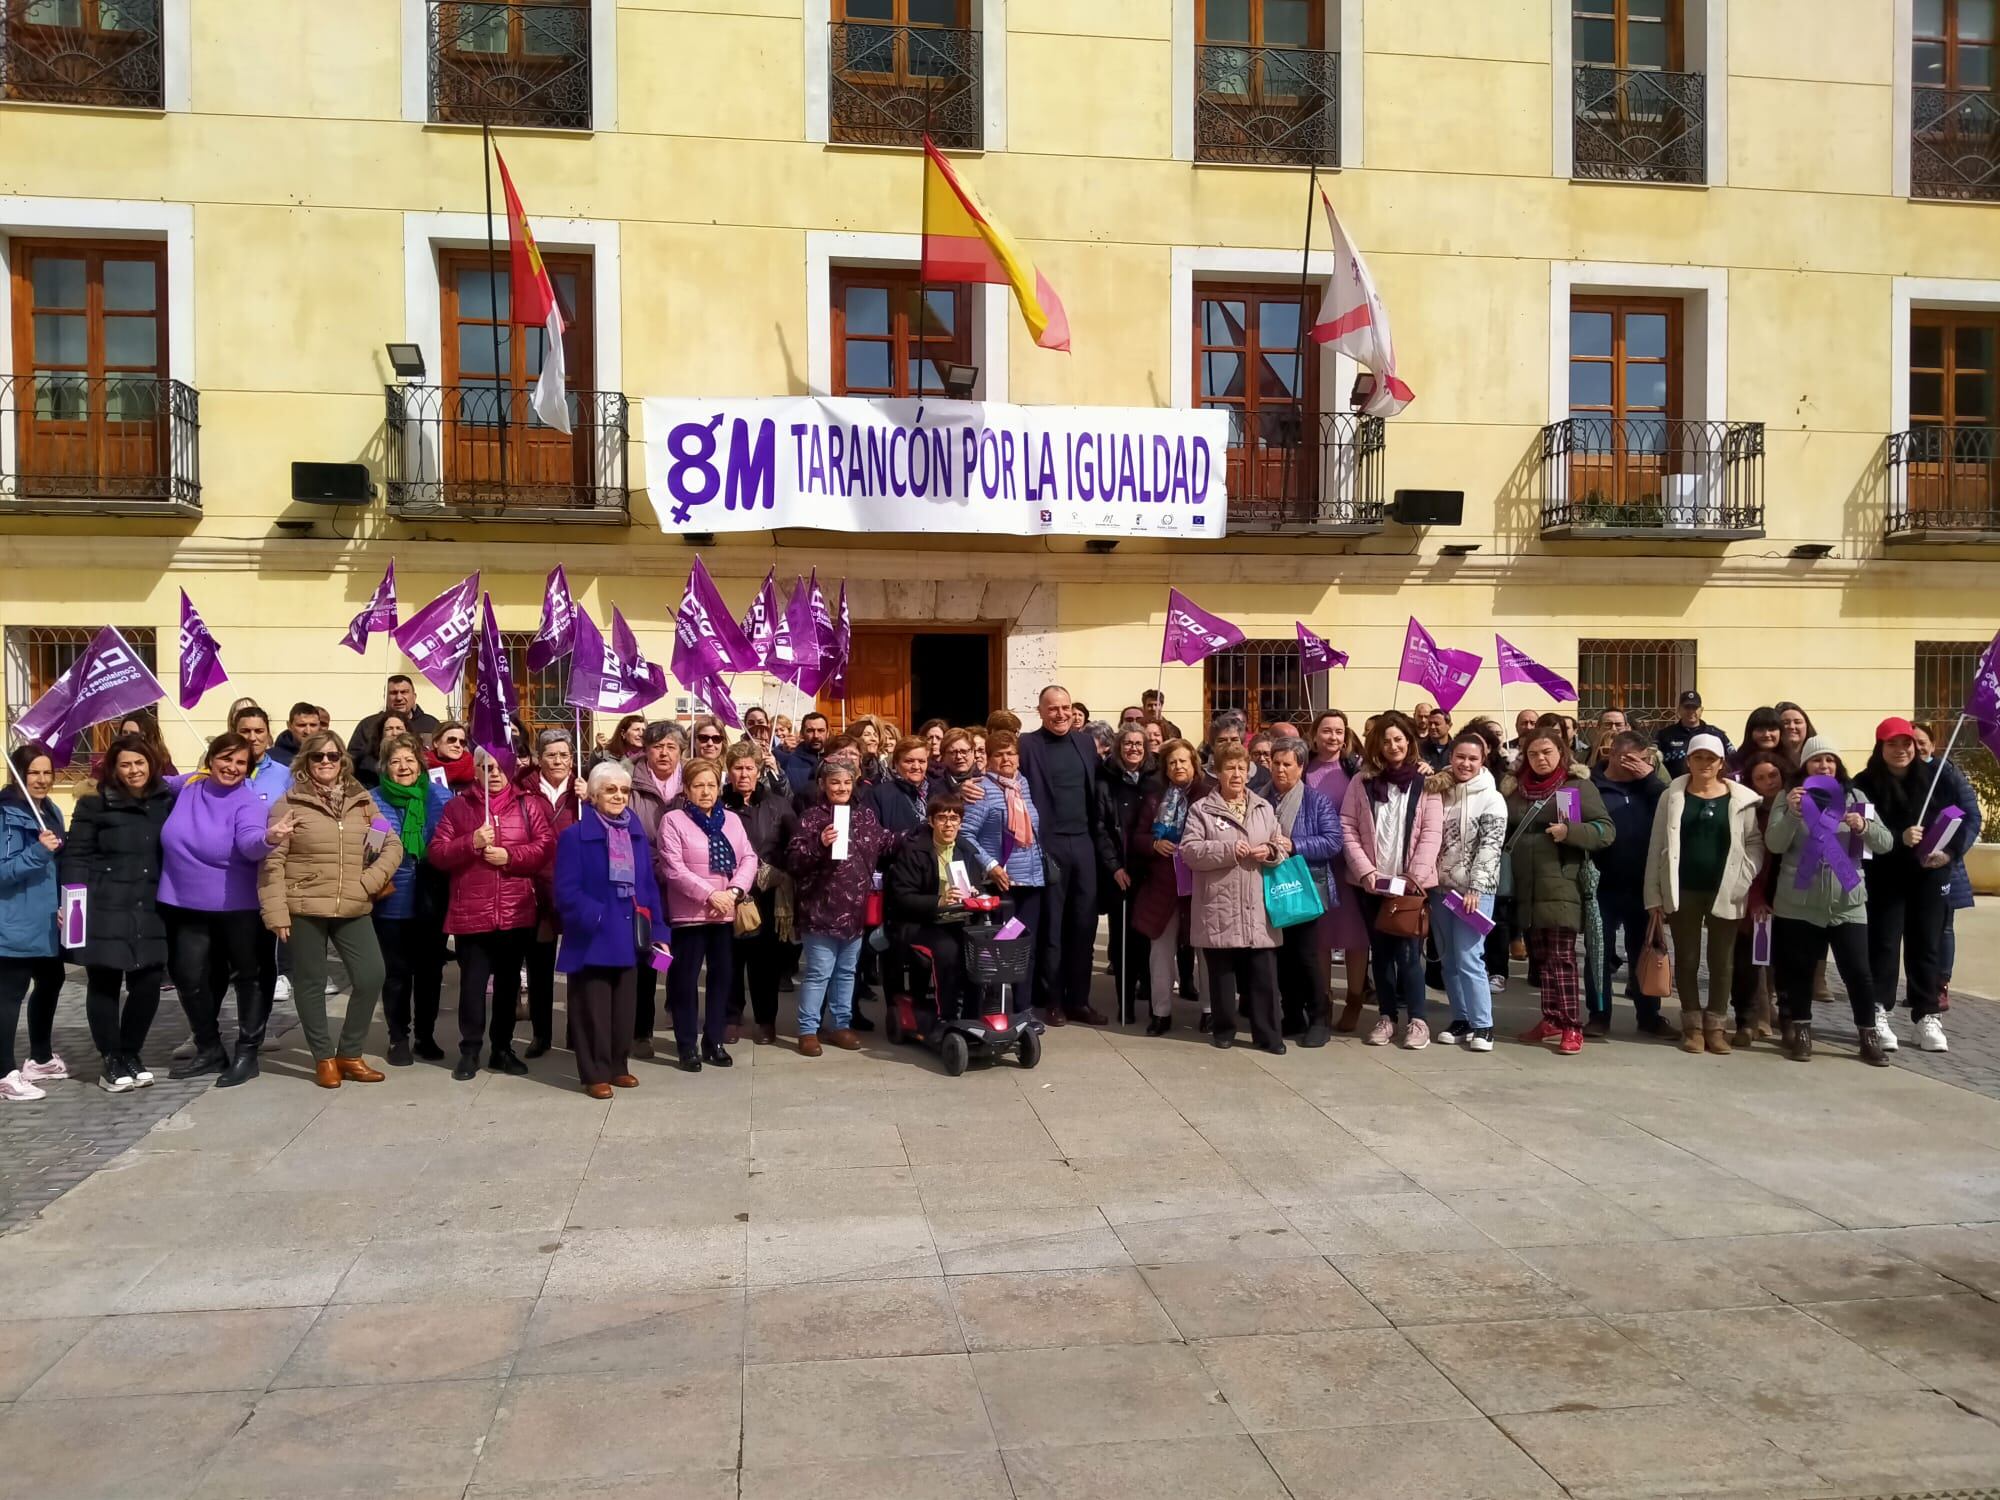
x,y
708,739
324,757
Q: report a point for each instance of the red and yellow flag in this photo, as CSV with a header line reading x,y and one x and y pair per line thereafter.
x,y
962,243
535,305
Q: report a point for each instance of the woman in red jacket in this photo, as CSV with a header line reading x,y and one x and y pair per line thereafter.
x,y
492,842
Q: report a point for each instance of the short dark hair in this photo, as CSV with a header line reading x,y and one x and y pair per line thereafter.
x,y
24,756
227,743
249,711
132,744
402,677
805,719
944,805
1631,739
302,708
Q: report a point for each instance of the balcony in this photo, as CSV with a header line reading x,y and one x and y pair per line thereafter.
x,y
1267,106
476,453
104,53
1954,145
1651,477
526,66
1635,125
1943,485
119,445
1331,487
888,85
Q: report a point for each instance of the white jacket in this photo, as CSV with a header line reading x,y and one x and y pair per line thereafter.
x,y
1475,832
1739,871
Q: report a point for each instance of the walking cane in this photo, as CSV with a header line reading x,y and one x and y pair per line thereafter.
x,y
1125,1009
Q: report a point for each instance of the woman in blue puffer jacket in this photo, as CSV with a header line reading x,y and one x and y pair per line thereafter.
x,y
31,967
409,920
1311,824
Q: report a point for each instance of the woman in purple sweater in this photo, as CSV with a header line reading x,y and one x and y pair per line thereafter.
x,y
210,848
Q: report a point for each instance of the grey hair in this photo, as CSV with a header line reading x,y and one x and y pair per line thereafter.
x,y
1128,729
661,729
604,773
831,768
1292,745
548,737
1100,731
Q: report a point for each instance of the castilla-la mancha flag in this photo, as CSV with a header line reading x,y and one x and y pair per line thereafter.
x,y
962,243
535,305
1354,321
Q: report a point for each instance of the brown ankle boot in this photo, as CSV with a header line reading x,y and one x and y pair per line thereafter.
x,y
809,1046
326,1073
1745,1033
1716,1035
355,1070
1691,1037
1350,1017
845,1040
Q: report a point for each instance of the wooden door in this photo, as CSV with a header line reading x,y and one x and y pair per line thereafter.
x,y
878,679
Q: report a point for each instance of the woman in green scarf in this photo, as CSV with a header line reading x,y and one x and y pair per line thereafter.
x,y
409,921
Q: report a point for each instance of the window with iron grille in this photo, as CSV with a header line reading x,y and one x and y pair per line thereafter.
x,y
38,654
541,693
1645,678
1944,682
1258,679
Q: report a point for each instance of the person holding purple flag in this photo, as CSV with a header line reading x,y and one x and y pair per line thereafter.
x,y
1953,790
1820,900
1909,887
399,698
31,966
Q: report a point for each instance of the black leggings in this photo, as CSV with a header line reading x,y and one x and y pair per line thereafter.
x,y
40,980
111,1029
200,944
496,956
759,965
699,945
1797,949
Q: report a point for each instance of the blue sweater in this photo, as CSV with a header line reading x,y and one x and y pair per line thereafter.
x,y
27,878
401,901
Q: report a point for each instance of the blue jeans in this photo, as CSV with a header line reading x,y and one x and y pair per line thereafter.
x,y
829,981
1462,956
1398,966
1621,912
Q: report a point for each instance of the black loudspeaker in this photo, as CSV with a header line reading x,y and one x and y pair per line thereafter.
x,y
332,484
1428,507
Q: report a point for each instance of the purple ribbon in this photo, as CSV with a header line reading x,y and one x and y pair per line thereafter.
x,y
1824,848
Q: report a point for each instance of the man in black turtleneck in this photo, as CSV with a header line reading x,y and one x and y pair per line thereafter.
x,y
1061,766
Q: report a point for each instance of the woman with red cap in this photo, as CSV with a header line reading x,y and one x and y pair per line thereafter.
x,y
1909,892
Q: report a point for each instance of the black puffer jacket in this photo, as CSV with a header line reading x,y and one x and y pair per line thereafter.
x,y
113,850
1118,800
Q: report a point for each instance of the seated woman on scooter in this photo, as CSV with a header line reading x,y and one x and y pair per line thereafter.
x,y
923,902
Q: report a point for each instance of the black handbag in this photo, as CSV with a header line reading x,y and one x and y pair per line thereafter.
x,y
642,931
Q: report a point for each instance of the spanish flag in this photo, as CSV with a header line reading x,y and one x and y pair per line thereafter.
x,y
534,303
962,243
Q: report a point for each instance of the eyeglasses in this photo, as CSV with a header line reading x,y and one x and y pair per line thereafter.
x,y
324,757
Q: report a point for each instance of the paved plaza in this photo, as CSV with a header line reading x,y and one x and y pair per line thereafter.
x,y
1146,1269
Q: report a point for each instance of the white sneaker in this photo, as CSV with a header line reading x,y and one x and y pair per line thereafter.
x,y
1930,1034
331,987
1480,1041
55,1070
141,1074
1497,983
17,1090
117,1077
1884,1033
284,991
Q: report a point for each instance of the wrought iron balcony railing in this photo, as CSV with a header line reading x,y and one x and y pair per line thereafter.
x,y
98,52
1944,484
1954,144
886,85
1332,485
1633,125
117,444
451,453
1649,475
1267,106
495,63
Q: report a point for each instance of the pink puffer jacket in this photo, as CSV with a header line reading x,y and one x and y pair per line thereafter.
x,y
492,898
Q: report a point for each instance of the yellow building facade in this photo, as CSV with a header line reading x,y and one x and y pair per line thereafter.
x,y
1681,286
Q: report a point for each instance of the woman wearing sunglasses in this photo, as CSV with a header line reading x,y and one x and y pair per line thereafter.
x,y
451,752
328,866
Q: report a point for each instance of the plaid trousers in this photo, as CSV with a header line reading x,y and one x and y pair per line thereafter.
x,y
1554,952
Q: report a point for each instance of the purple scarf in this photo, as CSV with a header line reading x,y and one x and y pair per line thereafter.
x,y
1824,848
618,845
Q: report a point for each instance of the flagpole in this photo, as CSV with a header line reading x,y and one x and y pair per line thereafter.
x,y
493,298
923,284
1299,376
1938,774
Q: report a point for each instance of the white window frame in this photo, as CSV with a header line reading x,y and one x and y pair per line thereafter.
x,y
991,19
1707,38
827,250
424,234
603,67
1911,294
1345,26
1704,290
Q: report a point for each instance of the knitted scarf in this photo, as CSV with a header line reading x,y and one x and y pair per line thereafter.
x,y
1540,788
1407,775
721,856
618,844
410,803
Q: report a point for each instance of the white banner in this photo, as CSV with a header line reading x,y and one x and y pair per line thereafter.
x,y
849,464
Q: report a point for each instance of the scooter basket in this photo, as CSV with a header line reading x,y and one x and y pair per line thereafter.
x,y
990,959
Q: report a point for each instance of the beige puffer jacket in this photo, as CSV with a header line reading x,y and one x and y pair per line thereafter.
x,y
326,869
1227,908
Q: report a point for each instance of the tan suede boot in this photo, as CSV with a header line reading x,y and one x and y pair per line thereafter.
x,y
1717,1035
1691,1037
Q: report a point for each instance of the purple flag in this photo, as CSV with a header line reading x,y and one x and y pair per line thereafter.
x,y
791,640
1192,633
1982,706
201,655
1443,673
740,655
556,636
816,667
599,679
107,681
1517,666
641,675
493,699
843,642
1315,655
379,615
713,694
760,624
437,637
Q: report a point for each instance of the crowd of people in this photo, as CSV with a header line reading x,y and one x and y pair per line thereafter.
x,y
832,867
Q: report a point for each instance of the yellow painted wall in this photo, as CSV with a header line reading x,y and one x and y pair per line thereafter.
x,y
301,169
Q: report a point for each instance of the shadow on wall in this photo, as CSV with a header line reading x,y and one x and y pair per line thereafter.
x,y
1864,516
1517,509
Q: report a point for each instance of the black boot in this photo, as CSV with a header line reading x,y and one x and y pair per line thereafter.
x,y
399,1053
713,1054
209,1059
426,1048
1872,1051
468,1065
242,1068
506,1060
1798,1040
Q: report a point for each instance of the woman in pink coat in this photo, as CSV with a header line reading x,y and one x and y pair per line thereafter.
x,y
1390,831
707,869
